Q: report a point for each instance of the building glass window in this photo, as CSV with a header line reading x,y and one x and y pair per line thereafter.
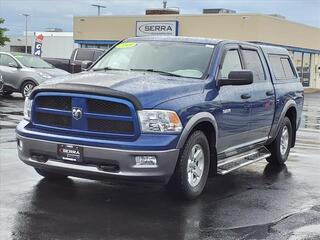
x,y
297,61
20,49
306,69
103,46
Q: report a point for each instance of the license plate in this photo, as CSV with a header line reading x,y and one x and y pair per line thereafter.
x,y
69,152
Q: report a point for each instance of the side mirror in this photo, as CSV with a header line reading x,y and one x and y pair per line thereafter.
x,y
242,77
85,65
13,65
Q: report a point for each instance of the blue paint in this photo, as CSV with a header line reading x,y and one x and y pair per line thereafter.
x,y
246,120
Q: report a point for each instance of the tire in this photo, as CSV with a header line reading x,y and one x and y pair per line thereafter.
x,y
50,175
26,88
184,183
280,147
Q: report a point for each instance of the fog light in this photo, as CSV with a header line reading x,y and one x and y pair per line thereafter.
x,y
145,162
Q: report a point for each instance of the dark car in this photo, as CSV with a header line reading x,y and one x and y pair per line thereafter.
x,y
81,59
166,109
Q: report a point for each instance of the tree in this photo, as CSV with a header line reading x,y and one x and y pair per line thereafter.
x,y
3,38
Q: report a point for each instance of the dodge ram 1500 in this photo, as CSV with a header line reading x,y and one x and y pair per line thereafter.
x,y
166,109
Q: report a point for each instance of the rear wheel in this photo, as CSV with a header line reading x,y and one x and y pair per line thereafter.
x,y
27,88
280,147
50,175
191,173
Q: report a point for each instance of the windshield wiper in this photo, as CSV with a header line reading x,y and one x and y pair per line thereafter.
x,y
109,68
156,71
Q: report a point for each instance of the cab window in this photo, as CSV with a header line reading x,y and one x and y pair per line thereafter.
x,y
253,62
231,62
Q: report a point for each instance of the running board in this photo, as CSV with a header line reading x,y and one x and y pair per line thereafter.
x,y
232,163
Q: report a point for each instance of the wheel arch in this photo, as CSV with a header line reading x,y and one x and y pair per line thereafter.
x,y
207,123
290,111
27,80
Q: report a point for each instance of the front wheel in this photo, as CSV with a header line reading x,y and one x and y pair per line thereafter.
x,y
280,147
191,173
27,88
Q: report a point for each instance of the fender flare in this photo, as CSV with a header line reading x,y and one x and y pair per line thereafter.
x,y
290,103
196,119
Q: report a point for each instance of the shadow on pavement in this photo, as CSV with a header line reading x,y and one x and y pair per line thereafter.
x,y
77,209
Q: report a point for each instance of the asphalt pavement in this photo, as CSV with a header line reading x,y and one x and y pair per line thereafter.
x,y
255,202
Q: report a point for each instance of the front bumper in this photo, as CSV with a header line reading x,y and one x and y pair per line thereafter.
x,y
94,158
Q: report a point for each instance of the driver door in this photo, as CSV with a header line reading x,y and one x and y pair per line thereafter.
x,y
235,103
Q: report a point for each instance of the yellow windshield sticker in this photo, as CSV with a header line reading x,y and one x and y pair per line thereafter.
x,y
126,45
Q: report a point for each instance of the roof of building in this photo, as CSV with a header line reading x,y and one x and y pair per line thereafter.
x,y
178,39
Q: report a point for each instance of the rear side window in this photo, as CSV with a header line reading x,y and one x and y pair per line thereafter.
x,y
231,62
282,67
84,54
252,62
287,68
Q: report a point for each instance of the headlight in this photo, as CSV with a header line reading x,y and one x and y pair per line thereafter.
x,y
27,109
44,75
159,121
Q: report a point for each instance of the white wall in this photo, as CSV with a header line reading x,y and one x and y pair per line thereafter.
x,y
58,47
52,46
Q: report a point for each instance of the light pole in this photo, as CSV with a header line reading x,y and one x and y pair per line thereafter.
x,y
26,15
98,6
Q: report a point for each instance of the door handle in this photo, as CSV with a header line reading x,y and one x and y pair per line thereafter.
x,y
246,96
270,93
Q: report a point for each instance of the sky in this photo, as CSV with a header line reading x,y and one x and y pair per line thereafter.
x,y
59,13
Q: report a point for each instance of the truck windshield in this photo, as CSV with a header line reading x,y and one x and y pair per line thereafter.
x,y
169,58
33,61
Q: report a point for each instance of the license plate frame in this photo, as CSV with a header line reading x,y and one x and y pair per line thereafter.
x,y
69,152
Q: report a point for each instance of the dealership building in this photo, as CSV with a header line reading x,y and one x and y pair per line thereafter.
x,y
302,41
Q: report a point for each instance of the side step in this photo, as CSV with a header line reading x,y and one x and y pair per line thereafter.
x,y
232,163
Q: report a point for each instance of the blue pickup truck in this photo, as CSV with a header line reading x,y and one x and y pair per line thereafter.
x,y
174,110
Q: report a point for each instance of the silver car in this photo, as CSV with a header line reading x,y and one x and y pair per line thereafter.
x,y
22,72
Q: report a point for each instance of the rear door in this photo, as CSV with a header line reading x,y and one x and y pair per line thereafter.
x,y
235,103
263,97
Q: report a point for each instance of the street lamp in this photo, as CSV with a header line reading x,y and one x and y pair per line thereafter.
x,y
98,6
26,15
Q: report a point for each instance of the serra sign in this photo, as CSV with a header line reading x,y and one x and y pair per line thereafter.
x,y
165,28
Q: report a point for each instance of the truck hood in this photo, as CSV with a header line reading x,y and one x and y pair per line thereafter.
x,y
150,89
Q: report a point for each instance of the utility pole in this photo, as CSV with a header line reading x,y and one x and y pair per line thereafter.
x,y
26,15
164,4
98,6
